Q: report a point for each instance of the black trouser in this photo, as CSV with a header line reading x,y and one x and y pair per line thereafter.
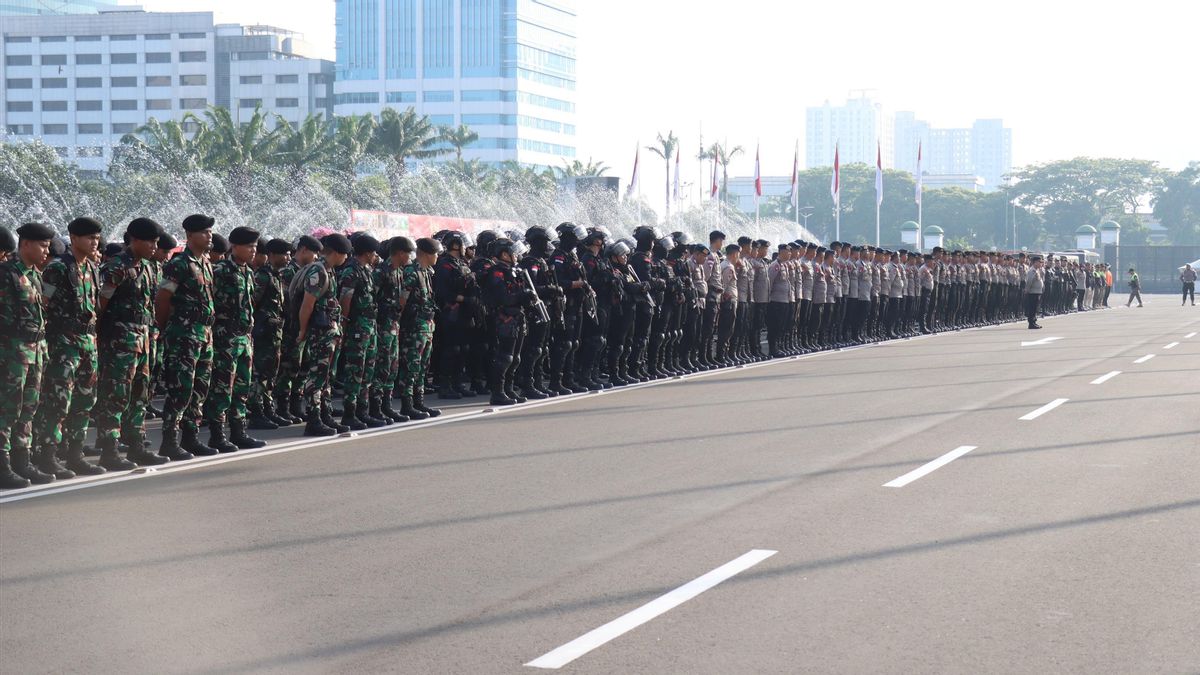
x,y
759,315
593,339
620,327
708,326
927,307
564,344
533,352
506,354
641,336
1134,293
778,314
1189,288
452,347
690,340
1079,293
1031,307
659,330
725,326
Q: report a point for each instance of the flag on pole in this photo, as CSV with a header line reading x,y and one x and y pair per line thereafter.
x,y
677,174
796,178
757,175
633,181
835,188
716,163
878,174
919,180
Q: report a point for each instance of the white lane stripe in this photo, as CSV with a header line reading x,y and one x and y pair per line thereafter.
x,y
1173,345
931,466
1189,336
660,605
1045,409
1145,358
1105,378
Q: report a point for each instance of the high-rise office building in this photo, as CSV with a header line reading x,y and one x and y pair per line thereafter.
x,y
855,128
983,150
506,68
81,82
52,7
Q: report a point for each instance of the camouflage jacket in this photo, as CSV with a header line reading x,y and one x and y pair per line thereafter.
x,y
356,282
72,293
22,317
233,299
420,307
269,303
190,279
128,286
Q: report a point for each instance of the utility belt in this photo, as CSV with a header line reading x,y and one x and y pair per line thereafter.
x,y
193,318
23,333
73,328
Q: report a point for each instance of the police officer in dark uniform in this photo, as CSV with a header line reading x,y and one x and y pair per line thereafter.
x,y
534,349
453,284
507,294
594,335
666,297
580,299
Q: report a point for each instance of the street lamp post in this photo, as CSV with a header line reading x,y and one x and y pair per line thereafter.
x,y
805,213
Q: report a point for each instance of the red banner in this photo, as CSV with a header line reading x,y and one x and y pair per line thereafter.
x,y
386,224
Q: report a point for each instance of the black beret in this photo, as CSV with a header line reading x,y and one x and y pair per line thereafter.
x,y
36,232
903,251
309,242
700,248
219,244
198,222
396,244
337,243
279,247
85,226
57,247
8,243
242,236
365,243
427,245
812,247
113,249
167,243
820,249
784,247
144,229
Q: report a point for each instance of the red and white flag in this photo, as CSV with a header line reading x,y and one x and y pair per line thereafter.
x,y
878,174
835,187
716,164
919,186
757,175
796,177
633,181
677,174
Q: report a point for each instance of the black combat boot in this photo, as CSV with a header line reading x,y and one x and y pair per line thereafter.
x,y
419,404
408,410
47,462
170,447
73,457
275,416
110,458
259,421
8,479
23,467
315,427
217,439
138,452
385,407
295,409
349,419
446,391
327,418
239,437
375,417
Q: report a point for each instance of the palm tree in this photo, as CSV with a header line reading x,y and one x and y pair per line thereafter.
x,y
514,176
458,137
725,156
577,169
239,147
666,149
400,136
352,138
310,145
168,145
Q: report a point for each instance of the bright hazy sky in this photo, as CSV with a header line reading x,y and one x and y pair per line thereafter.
x,y
1069,77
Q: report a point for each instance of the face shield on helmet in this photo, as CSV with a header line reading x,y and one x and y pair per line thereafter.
x,y
617,248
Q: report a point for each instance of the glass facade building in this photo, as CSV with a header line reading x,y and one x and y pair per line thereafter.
x,y
504,67
52,7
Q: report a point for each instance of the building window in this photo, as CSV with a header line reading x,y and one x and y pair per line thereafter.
x,y
87,59
287,103
158,80
54,83
62,151
477,120
402,97
128,81
54,106
53,38
90,128
193,80
249,102
117,59
124,104
193,57
357,97
158,104
14,39
494,144
287,79
158,57
477,95
441,120
158,36
19,83
89,82
89,151
20,129
193,103
20,60
124,127
87,38
191,36
89,106
18,106
54,129
121,38
250,79
545,102
321,103
438,96
54,59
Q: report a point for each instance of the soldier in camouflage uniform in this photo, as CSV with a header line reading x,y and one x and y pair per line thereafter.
x,y
389,304
356,290
290,382
22,354
184,312
126,312
269,311
233,352
417,326
319,333
71,288
166,246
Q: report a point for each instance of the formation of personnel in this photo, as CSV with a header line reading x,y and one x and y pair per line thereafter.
x,y
243,334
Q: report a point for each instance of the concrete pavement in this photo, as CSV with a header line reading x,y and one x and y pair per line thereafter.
x,y
1066,542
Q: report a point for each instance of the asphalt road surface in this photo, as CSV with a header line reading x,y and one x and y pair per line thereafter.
x,y
881,509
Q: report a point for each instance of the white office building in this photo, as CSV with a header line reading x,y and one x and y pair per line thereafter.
x,y
855,128
81,82
983,150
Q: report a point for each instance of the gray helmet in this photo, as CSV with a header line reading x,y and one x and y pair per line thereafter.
x,y
616,248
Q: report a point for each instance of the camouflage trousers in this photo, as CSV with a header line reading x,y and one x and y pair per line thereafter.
x,y
319,351
387,363
187,369
268,345
122,393
358,362
229,388
156,360
68,392
414,359
291,368
21,365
